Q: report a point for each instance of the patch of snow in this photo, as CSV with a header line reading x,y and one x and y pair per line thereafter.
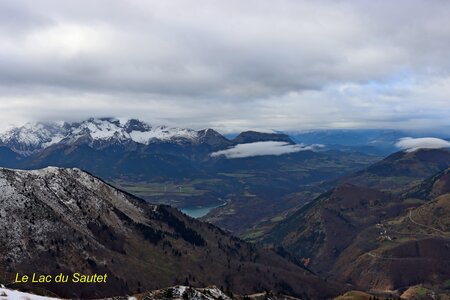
x,y
7,294
97,129
163,134
54,140
209,293
179,290
141,137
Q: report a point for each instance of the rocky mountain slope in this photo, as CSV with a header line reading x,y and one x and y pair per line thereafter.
x,y
65,221
411,248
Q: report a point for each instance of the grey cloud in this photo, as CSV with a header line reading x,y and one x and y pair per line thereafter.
x,y
292,64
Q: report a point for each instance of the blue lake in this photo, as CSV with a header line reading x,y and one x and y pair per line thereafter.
x,y
198,211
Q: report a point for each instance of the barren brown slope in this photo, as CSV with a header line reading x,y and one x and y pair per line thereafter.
x,y
65,220
411,249
323,229
346,233
433,187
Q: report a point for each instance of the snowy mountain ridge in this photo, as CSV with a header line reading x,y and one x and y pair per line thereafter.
x,y
33,137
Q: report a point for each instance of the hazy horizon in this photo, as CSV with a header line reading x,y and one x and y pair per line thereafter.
x,y
441,133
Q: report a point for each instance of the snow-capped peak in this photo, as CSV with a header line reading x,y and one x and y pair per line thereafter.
x,y
33,137
134,130
98,129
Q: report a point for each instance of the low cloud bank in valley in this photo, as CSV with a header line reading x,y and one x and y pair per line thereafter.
x,y
263,148
409,144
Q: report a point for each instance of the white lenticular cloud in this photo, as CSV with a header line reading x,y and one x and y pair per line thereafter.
x,y
262,148
409,144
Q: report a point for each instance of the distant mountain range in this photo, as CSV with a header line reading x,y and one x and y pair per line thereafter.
x,y
111,148
370,141
105,132
176,166
99,133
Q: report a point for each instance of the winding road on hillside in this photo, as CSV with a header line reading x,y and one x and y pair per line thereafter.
x,y
426,226
445,233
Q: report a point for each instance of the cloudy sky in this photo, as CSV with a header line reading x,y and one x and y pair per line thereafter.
x,y
230,65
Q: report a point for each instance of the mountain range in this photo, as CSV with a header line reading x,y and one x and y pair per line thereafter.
x,y
102,132
98,133
129,134
177,167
